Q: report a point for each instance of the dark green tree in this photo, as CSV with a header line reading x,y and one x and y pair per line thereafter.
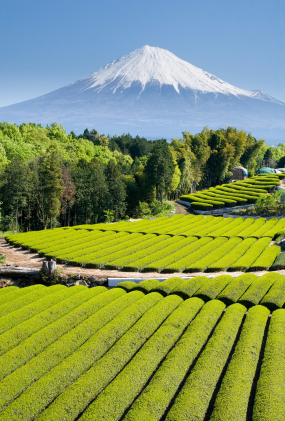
x,y
160,168
16,188
117,190
50,185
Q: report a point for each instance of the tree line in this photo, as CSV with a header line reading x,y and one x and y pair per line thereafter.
x,y
49,178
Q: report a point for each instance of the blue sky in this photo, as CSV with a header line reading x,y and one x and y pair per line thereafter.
x,y
46,44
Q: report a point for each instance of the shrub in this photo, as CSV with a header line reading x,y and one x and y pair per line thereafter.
x,y
233,396
166,287
193,400
118,395
266,259
275,297
154,400
279,263
187,288
164,264
211,289
200,265
76,397
58,339
236,288
147,286
249,257
258,289
271,406
157,261
231,257
47,385
201,206
182,264
127,285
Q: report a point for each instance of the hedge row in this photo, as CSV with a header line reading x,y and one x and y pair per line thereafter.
x,y
118,395
269,402
148,255
200,265
76,397
258,289
100,260
53,383
35,293
196,198
252,228
244,224
211,289
250,256
201,206
156,397
49,373
208,221
74,237
279,262
266,259
14,293
96,246
193,400
78,242
115,244
231,257
219,231
104,239
182,264
159,265
236,288
53,336
188,288
147,285
219,222
275,297
233,396
6,290
58,293
23,329
168,286
268,225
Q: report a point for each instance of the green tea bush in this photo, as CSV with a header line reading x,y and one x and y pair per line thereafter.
x,y
269,402
234,393
154,400
193,400
258,289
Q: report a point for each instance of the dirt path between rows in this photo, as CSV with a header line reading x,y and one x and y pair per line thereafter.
x,y
24,258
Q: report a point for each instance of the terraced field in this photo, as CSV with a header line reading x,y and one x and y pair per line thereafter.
x,y
234,194
178,244
201,349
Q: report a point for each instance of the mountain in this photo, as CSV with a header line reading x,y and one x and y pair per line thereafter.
x,y
152,92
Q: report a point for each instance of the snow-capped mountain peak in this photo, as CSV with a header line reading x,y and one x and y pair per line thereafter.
x,y
152,64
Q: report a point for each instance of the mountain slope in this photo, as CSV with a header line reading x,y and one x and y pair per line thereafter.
x,y
154,93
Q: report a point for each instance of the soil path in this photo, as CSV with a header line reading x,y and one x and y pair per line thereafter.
x,y
24,258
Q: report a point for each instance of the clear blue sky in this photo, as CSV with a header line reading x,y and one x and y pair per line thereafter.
x,y
46,44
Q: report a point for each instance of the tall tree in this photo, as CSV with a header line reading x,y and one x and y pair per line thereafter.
x,y
50,185
160,168
15,188
117,190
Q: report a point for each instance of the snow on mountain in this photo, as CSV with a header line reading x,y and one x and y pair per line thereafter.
x,y
152,64
149,64
152,92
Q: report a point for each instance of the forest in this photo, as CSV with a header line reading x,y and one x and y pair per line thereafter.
x,y
49,178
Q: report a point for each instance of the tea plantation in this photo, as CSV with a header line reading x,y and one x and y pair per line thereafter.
x,y
201,349
178,244
238,193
